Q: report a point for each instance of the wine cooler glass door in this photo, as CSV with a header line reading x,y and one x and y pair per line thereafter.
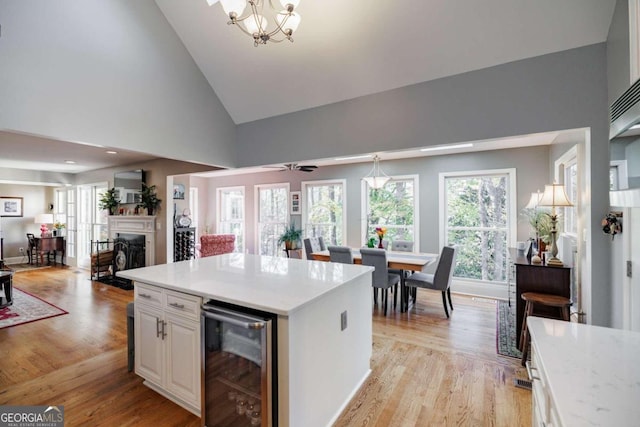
x,y
237,368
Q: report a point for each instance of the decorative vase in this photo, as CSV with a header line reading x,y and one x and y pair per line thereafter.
x,y
380,245
55,233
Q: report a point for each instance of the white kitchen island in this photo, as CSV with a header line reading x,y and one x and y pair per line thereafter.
x,y
320,366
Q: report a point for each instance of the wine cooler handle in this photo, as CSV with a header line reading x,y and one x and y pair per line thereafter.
x,y
231,317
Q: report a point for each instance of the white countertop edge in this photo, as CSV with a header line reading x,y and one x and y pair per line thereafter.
x,y
162,276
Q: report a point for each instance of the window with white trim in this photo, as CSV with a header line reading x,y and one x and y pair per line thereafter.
x,y
395,207
323,214
566,172
477,215
231,214
272,217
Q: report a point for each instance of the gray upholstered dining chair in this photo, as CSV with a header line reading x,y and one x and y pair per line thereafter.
x,y
313,244
440,281
402,245
340,254
382,279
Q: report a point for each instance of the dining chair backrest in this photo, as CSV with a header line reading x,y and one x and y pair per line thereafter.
x,y
444,270
313,244
377,258
340,254
402,245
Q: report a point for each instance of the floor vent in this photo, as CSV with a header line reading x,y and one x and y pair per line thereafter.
x,y
519,382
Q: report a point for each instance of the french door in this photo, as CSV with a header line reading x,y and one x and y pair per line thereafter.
x,y
91,222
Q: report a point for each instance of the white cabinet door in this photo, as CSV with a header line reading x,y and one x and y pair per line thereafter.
x,y
149,346
182,352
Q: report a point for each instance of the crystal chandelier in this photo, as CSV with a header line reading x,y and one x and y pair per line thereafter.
x,y
255,24
376,178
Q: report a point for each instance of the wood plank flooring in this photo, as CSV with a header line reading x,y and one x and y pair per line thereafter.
x,y
426,370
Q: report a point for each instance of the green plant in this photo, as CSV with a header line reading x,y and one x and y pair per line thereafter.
x,y
540,221
109,200
148,197
290,236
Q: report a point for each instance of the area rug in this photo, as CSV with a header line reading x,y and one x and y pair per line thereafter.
x,y
27,308
506,344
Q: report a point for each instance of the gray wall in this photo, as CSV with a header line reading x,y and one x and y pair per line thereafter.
x,y
564,90
108,72
529,179
618,62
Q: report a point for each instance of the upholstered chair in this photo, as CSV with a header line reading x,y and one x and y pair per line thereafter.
x,y
440,281
382,279
216,244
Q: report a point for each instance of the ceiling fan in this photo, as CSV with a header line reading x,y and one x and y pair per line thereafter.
x,y
295,167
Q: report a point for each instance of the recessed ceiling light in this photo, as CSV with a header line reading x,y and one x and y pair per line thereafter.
x,y
70,162
112,152
447,147
365,156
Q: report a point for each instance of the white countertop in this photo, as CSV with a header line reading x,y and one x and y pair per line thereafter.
x,y
593,372
276,285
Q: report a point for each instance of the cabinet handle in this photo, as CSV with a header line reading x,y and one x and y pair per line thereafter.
x,y
147,296
176,305
164,332
159,327
530,370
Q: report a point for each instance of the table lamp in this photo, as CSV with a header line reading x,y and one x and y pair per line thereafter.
x,y
554,196
44,219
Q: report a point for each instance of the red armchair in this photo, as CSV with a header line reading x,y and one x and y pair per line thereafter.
x,y
216,244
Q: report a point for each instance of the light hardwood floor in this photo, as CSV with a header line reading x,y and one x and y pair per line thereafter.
x,y
426,370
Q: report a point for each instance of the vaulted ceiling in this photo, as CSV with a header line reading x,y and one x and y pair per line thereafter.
x,y
346,49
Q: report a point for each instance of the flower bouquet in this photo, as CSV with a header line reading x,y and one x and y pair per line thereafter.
x,y
381,231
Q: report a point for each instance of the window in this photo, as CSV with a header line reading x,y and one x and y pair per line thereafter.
x,y
273,217
566,172
324,211
395,206
231,214
477,216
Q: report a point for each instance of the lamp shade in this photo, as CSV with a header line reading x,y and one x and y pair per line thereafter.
x,y
534,201
554,195
44,219
377,182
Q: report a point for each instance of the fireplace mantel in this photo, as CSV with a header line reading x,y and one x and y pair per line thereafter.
x,y
136,224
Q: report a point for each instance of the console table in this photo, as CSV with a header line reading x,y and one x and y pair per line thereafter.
x,y
52,244
537,278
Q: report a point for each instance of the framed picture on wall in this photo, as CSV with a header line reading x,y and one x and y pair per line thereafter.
x,y
295,203
178,192
10,206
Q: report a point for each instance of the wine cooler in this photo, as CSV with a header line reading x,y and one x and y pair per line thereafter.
x,y
239,366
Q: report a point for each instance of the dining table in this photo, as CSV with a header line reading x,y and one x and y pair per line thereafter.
x,y
397,260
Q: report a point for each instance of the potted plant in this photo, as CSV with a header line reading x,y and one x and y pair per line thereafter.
x,y
290,237
109,201
540,221
149,199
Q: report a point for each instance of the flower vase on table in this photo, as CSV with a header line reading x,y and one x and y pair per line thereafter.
x,y
381,231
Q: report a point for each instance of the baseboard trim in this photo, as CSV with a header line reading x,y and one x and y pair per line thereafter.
x,y
484,289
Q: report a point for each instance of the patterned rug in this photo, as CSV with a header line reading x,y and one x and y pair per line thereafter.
x,y
506,344
27,308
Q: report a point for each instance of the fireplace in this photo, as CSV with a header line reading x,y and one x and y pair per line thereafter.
x,y
128,251
135,228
